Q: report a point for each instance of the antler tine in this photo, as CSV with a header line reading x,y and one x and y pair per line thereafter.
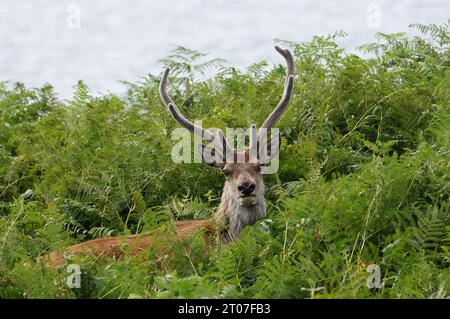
x,y
289,82
177,115
253,144
226,149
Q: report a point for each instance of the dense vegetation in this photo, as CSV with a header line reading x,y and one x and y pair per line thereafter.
x,y
363,179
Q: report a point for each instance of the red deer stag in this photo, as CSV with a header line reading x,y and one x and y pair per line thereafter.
x,y
242,201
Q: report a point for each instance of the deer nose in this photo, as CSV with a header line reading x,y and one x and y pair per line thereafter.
x,y
246,188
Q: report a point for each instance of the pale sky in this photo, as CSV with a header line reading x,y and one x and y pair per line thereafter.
x,y
105,41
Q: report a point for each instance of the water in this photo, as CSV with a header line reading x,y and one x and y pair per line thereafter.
x,y
44,41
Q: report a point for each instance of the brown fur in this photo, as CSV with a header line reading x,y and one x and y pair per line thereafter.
x,y
114,246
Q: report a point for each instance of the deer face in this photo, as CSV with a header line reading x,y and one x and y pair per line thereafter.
x,y
244,181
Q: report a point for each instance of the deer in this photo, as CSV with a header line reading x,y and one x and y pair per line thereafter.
x,y
242,201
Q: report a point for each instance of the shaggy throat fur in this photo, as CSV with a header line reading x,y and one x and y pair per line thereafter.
x,y
234,217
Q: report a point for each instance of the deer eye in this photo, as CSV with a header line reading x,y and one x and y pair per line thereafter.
x,y
227,172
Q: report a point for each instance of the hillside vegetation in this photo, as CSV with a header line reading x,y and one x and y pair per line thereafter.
x,y
363,179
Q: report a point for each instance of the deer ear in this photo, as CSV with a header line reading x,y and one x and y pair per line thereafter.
x,y
210,157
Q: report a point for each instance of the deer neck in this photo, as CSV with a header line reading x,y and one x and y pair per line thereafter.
x,y
234,217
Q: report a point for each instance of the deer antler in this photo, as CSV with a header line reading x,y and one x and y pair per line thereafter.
x,y
288,85
220,141
176,114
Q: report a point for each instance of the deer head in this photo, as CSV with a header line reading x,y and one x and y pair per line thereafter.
x,y
243,196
